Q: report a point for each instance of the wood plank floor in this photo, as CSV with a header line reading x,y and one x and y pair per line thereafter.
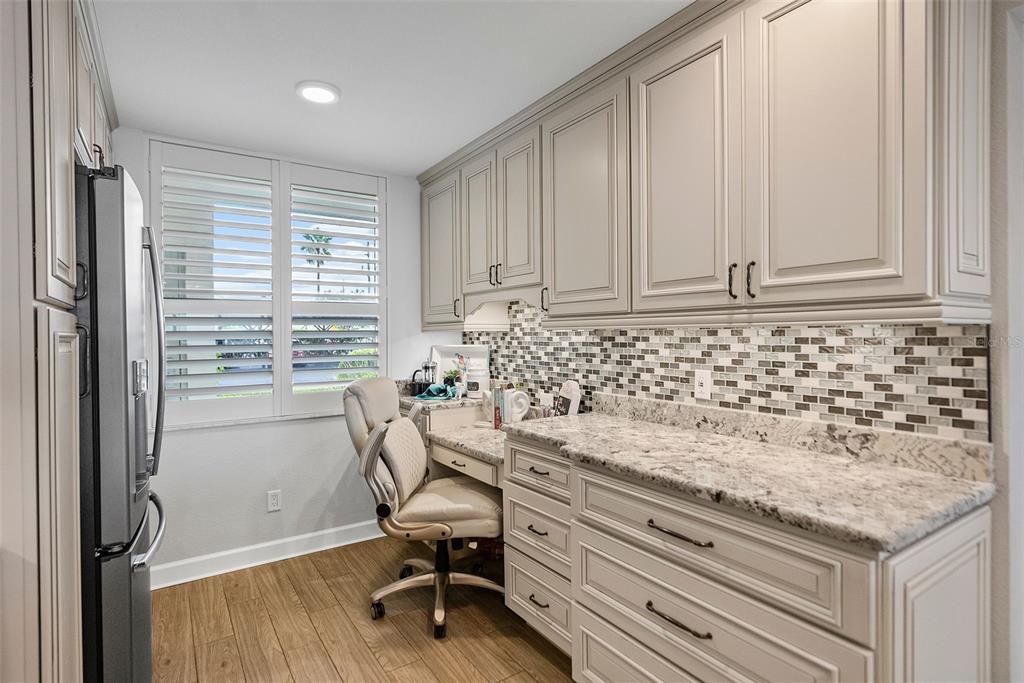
x,y
308,619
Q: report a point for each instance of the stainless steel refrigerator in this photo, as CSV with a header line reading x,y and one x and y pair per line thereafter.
x,y
122,518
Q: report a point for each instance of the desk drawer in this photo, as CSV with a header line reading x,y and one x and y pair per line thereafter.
x,y
828,586
537,526
540,596
464,464
670,609
535,469
603,654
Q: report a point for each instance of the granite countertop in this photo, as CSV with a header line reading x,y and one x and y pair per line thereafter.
x,y
872,504
408,402
483,443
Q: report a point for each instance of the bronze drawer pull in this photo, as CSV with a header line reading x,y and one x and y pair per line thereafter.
x,y
541,605
539,533
678,624
699,544
458,464
539,472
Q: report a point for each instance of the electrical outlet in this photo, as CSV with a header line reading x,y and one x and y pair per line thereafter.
x,y
274,500
702,384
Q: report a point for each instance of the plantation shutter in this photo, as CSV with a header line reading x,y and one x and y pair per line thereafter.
x,y
216,221
335,246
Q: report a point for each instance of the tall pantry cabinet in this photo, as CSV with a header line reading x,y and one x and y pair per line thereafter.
x,y
69,125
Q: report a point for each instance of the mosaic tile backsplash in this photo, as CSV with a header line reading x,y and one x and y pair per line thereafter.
x,y
924,379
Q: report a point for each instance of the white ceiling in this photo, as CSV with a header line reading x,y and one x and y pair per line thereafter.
x,y
419,78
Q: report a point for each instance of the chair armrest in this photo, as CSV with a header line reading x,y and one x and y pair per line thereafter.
x,y
368,468
414,414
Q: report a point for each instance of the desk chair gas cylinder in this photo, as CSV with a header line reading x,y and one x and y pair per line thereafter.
x,y
393,461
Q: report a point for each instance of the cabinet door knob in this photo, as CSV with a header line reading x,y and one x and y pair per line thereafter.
x,y
750,267
542,292
497,274
732,268
455,307
490,275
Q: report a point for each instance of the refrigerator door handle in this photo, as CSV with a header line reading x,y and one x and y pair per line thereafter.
x,y
110,552
140,562
158,301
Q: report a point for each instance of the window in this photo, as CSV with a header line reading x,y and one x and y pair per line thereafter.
x,y
265,260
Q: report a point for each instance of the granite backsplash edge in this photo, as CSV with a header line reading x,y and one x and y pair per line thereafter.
x,y
953,458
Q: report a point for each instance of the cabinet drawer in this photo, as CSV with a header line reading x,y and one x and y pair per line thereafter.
x,y
534,469
603,654
670,609
538,595
464,464
830,587
537,526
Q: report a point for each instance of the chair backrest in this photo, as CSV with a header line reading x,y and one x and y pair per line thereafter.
x,y
403,458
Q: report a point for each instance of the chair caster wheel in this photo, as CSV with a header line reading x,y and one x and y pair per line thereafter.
x,y
405,571
440,631
376,610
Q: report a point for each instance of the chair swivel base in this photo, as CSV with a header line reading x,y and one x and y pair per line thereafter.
x,y
436,575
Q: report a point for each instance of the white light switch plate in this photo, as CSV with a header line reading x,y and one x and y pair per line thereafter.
x,y
702,384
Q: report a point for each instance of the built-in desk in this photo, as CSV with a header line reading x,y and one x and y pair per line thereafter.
x,y
475,451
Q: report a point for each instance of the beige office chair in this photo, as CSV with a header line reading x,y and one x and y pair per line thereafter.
x,y
393,461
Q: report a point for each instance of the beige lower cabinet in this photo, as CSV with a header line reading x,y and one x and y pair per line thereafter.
x,y
664,587
60,604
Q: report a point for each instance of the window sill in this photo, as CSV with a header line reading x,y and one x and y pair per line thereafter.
x,y
238,422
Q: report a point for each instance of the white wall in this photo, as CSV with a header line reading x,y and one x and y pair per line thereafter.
x,y
214,480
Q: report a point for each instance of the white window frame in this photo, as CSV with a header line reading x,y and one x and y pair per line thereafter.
x,y
283,403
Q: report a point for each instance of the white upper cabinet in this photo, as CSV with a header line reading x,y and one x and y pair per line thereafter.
x,y
85,108
834,167
585,206
774,161
439,212
478,224
519,223
53,133
101,128
685,139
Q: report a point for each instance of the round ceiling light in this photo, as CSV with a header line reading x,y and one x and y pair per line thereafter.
x,y
318,92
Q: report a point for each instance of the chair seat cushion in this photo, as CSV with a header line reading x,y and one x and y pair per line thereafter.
x,y
470,507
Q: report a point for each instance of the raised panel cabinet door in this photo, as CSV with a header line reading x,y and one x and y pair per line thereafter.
x,y
101,127
937,606
835,160
478,217
53,125
519,230
686,163
439,211
85,107
60,558
584,172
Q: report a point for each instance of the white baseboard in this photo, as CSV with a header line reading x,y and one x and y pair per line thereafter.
x,y
190,569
